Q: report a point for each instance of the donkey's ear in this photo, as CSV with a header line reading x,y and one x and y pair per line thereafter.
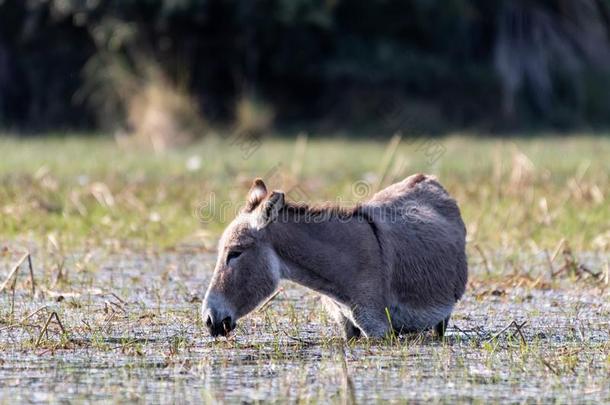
x,y
257,193
270,209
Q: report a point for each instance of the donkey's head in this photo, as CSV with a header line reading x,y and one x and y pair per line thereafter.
x,y
247,270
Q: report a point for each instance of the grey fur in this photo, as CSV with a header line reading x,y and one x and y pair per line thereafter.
x,y
401,254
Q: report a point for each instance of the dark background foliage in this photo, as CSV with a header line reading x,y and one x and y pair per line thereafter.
x,y
450,64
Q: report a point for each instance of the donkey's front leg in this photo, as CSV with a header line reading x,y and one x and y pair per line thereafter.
x,y
372,321
350,330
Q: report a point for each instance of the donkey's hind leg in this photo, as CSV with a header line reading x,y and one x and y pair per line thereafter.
x,y
441,327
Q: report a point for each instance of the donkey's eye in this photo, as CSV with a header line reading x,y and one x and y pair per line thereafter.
x,y
234,254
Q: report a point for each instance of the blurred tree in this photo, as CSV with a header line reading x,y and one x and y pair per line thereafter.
x,y
454,63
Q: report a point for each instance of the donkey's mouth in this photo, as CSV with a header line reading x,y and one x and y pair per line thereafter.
x,y
222,328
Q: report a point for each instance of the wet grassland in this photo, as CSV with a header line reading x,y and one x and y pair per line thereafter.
x,y
106,253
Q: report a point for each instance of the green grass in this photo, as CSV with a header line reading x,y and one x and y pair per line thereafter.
x,y
85,190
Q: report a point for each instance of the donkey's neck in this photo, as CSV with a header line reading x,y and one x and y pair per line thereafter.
x,y
327,255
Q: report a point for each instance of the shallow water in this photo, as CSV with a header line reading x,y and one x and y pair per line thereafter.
x,y
146,343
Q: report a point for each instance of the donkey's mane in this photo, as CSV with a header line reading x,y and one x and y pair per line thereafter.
x,y
320,211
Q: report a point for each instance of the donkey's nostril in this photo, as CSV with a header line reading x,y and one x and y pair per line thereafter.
x,y
217,327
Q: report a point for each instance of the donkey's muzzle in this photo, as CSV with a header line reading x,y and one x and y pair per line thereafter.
x,y
220,328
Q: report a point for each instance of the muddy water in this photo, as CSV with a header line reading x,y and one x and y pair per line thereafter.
x,y
132,333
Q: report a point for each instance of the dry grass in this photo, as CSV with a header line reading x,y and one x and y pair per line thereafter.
x,y
253,117
146,108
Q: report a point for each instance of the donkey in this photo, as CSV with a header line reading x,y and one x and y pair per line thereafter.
x,y
395,263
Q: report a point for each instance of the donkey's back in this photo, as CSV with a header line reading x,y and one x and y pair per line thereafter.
x,y
422,237
417,190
